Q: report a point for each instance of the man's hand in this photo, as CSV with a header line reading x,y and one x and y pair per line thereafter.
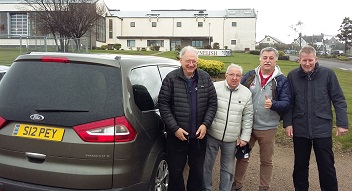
x,y
268,103
341,131
241,142
180,134
289,131
202,130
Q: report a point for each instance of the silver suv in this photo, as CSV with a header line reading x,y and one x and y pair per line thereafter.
x,y
83,122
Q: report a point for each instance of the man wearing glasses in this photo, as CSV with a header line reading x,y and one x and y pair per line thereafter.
x,y
187,104
271,94
232,126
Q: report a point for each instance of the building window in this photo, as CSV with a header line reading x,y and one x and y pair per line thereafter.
x,y
153,24
200,24
233,42
267,39
234,24
19,24
110,28
131,43
155,43
132,24
178,24
197,43
3,23
101,29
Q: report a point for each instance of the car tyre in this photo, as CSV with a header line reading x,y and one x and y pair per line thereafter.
x,y
160,177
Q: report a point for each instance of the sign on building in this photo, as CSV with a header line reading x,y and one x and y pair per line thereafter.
x,y
213,52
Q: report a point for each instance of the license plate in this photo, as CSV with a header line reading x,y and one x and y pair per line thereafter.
x,y
38,132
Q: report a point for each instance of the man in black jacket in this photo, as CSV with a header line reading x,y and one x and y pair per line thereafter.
x,y
310,119
187,104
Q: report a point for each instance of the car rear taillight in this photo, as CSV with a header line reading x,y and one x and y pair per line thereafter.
x,y
2,122
55,59
108,130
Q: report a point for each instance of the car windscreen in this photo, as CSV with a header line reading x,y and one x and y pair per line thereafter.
x,y
65,93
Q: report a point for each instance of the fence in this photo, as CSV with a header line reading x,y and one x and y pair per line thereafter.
x,y
44,44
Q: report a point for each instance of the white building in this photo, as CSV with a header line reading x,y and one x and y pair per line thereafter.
x,y
233,29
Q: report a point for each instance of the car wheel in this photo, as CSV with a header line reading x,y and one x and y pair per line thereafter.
x,y
160,176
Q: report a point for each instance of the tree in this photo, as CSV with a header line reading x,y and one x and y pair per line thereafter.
x,y
346,33
64,19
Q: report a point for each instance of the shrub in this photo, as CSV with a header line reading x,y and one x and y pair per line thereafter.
x,y
254,52
213,67
155,48
216,45
284,58
104,47
207,47
343,58
117,46
178,48
143,49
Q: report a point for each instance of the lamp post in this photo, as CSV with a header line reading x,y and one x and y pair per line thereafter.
x,y
209,34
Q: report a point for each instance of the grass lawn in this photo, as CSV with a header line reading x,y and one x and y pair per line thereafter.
x,y
248,62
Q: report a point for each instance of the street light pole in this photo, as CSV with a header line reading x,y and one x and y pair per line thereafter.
x,y
209,34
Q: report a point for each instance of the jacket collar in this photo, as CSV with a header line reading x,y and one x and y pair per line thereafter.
x,y
182,75
228,87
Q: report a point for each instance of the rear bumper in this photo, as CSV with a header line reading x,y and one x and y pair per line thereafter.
x,y
10,185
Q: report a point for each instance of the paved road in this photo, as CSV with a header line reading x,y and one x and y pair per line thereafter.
x,y
343,65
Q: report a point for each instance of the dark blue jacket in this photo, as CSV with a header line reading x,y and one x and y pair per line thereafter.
x,y
313,95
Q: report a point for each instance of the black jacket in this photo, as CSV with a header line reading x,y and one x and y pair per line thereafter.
x,y
174,100
311,113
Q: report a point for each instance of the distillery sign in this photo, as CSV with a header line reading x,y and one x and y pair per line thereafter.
x,y
212,52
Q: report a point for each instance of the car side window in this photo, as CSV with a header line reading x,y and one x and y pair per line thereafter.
x,y
146,84
165,70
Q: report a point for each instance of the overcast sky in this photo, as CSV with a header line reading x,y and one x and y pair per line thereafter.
x,y
274,17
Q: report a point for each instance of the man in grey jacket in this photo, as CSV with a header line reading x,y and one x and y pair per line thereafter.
x,y
310,119
271,95
232,126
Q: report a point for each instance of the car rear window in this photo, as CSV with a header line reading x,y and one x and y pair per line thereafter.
x,y
65,93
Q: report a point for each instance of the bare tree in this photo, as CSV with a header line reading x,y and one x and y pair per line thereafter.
x,y
346,33
66,18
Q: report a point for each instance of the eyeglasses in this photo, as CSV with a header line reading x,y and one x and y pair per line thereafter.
x,y
235,75
191,61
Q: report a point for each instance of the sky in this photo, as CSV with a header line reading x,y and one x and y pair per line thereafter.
x,y
276,18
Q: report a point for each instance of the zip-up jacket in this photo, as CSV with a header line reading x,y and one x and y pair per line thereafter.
x,y
234,116
278,84
174,101
313,96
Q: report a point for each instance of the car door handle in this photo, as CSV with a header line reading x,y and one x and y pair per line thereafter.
x,y
35,157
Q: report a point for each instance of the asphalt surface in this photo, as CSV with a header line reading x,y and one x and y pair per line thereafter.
x,y
330,63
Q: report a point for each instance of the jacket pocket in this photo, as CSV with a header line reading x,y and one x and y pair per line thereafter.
x,y
323,115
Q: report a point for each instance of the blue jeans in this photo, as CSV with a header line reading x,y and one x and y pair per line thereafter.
x,y
325,161
226,163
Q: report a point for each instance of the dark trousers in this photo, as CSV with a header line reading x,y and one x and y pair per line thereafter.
x,y
178,152
325,161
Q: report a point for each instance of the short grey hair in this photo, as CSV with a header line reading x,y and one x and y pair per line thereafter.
x,y
232,65
308,50
269,49
188,48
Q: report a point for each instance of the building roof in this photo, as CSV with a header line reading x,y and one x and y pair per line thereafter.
x,y
186,13
275,39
